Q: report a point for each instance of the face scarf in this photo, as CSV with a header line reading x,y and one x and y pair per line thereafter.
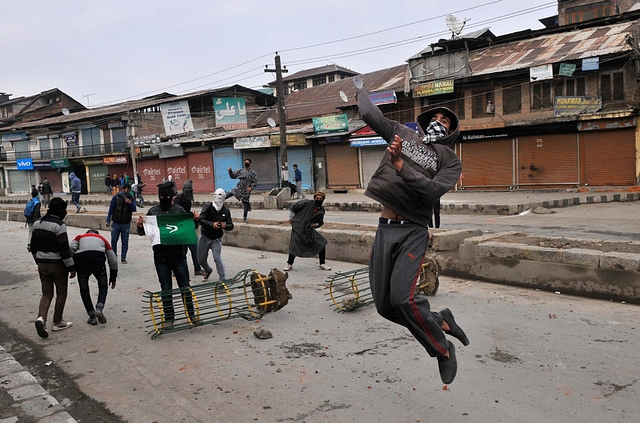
x,y
435,131
218,199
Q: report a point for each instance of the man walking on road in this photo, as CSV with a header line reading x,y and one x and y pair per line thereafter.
x,y
305,217
121,209
50,250
215,218
90,252
47,192
76,190
248,179
413,174
297,178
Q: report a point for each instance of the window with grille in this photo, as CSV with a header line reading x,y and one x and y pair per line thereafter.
x,y
332,78
588,11
612,86
541,95
570,87
319,80
483,104
300,85
512,100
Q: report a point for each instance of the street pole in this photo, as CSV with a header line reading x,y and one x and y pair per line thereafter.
x,y
284,172
132,148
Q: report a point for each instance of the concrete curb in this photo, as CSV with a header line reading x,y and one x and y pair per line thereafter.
x,y
28,395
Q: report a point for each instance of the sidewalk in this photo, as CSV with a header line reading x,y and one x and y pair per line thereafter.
x,y
482,202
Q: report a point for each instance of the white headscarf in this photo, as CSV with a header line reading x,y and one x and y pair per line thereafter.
x,y
218,198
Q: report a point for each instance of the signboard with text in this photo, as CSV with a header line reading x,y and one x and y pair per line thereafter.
x,y
176,117
539,73
24,164
114,160
231,112
330,124
252,142
571,106
433,88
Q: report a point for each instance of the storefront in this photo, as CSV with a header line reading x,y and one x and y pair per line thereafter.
x,y
371,150
298,152
97,175
151,172
343,168
223,159
176,167
200,170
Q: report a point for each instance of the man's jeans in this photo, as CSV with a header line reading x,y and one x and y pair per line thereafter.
x,y
85,293
165,265
53,276
193,248
118,229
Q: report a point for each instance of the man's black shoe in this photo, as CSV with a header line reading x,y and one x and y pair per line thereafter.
x,y
454,329
448,366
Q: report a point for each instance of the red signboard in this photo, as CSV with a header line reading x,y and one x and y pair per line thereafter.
x,y
151,172
177,167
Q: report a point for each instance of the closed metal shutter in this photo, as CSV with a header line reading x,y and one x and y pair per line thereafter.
x,y
96,178
302,157
177,167
609,157
342,166
223,159
371,157
54,177
19,180
201,172
487,164
548,160
265,164
151,172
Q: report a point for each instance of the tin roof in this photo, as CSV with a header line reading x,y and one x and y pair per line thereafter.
x,y
325,99
322,70
552,48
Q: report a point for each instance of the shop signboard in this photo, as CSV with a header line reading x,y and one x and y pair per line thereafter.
x,y
571,106
115,160
176,117
24,164
231,112
252,142
444,86
59,163
330,124
293,140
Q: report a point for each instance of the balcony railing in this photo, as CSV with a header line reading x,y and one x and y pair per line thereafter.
x,y
59,153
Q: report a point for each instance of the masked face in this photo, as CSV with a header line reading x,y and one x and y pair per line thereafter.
x,y
318,201
165,202
247,164
218,198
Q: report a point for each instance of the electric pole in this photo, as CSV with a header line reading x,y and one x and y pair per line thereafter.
x,y
284,172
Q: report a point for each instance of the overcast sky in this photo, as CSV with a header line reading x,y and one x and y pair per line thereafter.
x,y
111,51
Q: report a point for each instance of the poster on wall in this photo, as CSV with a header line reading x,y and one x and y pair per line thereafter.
x,y
231,112
176,117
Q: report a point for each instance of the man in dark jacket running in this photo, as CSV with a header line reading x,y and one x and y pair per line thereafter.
x,y
185,199
415,172
215,218
305,217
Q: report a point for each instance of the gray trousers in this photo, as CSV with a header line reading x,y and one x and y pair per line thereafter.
x,y
299,189
215,245
394,268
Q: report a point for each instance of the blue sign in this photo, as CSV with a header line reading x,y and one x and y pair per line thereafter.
x,y
367,142
25,164
15,136
591,63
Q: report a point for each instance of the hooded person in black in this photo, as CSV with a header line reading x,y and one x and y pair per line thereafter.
x,y
170,259
417,169
185,199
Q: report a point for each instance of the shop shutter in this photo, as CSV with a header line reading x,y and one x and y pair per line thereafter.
x,y
223,159
487,164
96,178
19,181
342,166
54,177
151,172
609,157
302,157
265,164
177,167
371,157
201,172
547,160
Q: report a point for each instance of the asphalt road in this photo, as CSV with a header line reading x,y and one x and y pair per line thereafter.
x,y
534,356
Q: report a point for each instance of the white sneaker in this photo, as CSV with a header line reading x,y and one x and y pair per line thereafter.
x,y
41,327
288,267
324,267
61,326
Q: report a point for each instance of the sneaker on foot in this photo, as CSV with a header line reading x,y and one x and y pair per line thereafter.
x,y
198,273
101,317
324,267
288,267
123,262
92,320
206,275
41,327
61,326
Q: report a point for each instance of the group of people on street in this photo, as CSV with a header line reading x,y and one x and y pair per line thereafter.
x,y
58,260
416,170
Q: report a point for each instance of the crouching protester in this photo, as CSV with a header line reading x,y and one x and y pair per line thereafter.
x,y
414,173
169,257
90,252
50,249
